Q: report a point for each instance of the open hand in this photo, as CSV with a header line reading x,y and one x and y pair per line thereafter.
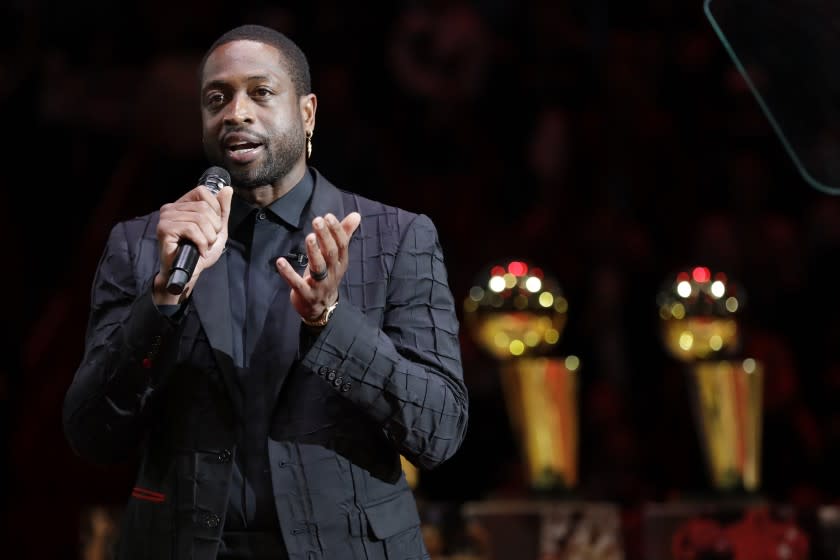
x,y
317,289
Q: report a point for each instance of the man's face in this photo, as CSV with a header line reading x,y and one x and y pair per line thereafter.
x,y
251,114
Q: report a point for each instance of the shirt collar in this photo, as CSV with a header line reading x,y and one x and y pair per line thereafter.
x,y
288,208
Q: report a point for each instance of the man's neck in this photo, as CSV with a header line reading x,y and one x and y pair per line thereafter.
x,y
264,195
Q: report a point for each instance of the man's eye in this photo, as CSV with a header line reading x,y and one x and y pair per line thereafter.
x,y
215,98
262,92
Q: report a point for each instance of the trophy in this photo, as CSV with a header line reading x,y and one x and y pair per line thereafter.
x,y
516,312
700,328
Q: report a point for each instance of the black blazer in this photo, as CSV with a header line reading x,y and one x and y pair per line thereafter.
x,y
384,378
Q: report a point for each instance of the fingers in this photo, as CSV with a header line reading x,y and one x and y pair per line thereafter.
x,y
321,248
200,237
333,238
190,222
197,216
327,249
202,193
327,246
351,222
348,227
295,281
317,264
223,198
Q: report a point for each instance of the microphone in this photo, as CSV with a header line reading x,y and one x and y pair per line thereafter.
x,y
187,256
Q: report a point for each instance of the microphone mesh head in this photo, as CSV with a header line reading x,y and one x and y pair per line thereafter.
x,y
214,178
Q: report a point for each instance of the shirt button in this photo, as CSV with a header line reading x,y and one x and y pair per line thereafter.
x,y
345,387
338,381
211,520
224,456
261,215
323,370
331,375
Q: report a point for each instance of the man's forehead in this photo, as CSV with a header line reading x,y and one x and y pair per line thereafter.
x,y
244,50
246,56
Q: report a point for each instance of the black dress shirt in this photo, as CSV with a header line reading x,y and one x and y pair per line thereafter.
x,y
257,236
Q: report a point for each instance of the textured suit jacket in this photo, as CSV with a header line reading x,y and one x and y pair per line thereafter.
x,y
384,378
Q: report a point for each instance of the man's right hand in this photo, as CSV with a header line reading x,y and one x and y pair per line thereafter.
x,y
199,217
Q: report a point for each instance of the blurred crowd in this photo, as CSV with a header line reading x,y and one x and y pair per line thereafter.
x,y
611,146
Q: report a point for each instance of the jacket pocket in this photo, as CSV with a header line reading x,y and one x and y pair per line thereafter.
x,y
396,523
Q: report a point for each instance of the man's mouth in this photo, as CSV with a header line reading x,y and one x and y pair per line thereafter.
x,y
241,150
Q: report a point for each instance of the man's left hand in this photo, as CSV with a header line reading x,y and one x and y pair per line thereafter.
x,y
327,251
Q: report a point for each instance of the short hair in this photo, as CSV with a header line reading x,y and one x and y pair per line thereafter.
x,y
297,65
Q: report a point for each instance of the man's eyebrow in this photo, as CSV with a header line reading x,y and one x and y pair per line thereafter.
x,y
213,84
221,83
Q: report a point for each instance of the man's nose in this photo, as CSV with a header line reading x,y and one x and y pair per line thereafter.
x,y
239,110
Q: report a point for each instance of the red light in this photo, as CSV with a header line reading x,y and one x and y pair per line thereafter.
x,y
518,268
701,274
497,271
682,277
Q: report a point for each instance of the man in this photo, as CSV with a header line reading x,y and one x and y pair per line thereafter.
x,y
314,343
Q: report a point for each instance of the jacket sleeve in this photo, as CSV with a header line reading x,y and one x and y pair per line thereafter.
x,y
106,406
408,374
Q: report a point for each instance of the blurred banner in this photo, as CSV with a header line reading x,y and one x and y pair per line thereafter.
x,y
784,49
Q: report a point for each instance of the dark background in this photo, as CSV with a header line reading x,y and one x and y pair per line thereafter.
x,y
610,144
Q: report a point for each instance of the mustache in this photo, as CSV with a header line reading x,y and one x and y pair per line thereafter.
x,y
243,131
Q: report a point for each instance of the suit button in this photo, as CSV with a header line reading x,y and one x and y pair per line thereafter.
x,y
323,370
331,375
224,456
211,520
338,381
345,387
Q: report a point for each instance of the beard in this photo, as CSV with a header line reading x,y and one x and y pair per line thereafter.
x,y
282,151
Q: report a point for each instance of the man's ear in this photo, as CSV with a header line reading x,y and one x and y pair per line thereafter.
x,y
308,105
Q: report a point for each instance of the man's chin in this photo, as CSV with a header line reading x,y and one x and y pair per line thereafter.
x,y
248,177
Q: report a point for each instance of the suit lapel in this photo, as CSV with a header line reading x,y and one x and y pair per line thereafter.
x,y
326,198
212,302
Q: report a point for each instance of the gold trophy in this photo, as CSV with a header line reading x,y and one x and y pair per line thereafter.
x,y
699,312
516,312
